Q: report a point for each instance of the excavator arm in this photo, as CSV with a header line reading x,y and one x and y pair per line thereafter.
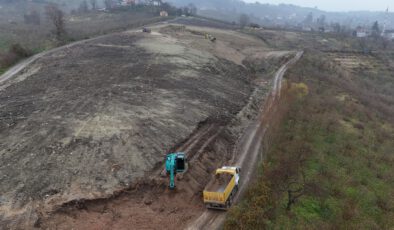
x,y
170,168
172,177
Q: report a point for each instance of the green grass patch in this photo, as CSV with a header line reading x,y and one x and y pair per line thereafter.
x,y
4,45
2,70
338,151
309,209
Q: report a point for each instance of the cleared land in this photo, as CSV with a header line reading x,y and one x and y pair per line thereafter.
x,y
14,30
93,119
23,36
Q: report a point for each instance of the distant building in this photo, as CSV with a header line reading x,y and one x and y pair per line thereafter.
x,y
361,32
127,2
113,4
163,13
328,30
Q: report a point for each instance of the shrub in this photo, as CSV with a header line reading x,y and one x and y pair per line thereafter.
x,y
15,53
337,154
19,51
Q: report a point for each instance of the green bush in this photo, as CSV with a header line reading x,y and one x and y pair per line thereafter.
x,y
15,53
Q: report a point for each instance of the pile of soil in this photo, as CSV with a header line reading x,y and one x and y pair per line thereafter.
x,y
84,130
90,119
220,182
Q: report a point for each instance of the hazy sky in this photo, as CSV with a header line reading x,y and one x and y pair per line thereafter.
x,y
337,5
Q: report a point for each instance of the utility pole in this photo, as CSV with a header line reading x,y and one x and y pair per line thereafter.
x,y
386,18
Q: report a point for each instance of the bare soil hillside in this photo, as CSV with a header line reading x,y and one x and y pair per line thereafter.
x,y
92,119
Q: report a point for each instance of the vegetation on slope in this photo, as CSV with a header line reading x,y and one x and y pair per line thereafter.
x,y
18,30
330,165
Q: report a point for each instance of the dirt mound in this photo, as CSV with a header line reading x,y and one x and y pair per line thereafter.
x,y
219,183
94,118
85,129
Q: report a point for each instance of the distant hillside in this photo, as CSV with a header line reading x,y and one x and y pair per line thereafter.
x,y
230,10
282,14
24,5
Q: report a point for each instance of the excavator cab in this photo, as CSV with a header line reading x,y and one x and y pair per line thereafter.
x,y
175,163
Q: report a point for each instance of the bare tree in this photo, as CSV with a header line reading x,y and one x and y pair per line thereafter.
x,y
93,3
243,20
32,18
56,16
289,176
385,43
375,30
309,19
363,45
149,2
108,4
157,2
337,28
321,21
192,9
83,7
186,11
295,189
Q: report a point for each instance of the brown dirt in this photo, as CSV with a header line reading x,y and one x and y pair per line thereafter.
x,y
248,148
220,182
149,204
85,129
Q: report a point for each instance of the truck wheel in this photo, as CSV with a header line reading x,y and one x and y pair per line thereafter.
x,y
228,203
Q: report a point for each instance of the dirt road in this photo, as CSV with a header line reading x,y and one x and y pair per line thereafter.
x,y
23,64
248,149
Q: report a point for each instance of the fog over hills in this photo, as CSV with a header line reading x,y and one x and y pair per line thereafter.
x,y
265,14
283,14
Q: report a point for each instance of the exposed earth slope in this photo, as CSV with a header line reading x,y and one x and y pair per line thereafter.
x,y
96,118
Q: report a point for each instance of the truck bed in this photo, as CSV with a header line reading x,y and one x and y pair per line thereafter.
x,y
220,183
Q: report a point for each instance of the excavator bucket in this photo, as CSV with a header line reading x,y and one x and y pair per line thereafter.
x,y
180,163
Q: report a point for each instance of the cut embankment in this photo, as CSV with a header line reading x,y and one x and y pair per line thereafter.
x,y
94,120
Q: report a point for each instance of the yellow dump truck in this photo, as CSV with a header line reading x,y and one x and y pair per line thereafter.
x,y
219,193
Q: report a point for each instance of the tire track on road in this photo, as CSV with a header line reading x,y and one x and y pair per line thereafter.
x,y
249,148
192,142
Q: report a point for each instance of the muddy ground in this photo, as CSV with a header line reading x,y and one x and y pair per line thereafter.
x,y
94,119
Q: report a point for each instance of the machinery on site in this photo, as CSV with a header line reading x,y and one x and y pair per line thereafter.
x,y
210,37
220,192
146,30
175,163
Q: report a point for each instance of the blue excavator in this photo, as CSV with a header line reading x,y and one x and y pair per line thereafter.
x,y
175,163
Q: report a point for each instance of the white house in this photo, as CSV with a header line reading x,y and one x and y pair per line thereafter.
x,y
127,2
163,13
361,32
